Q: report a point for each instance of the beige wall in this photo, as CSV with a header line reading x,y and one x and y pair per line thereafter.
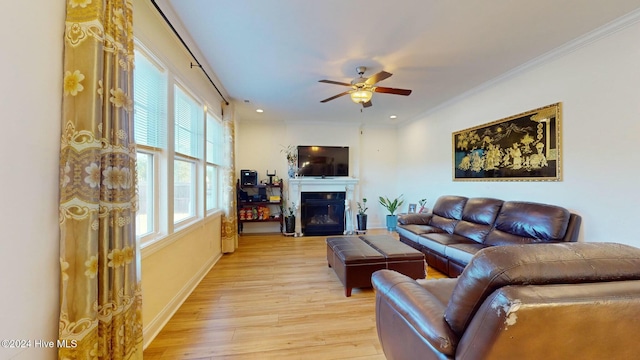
x,y
173,268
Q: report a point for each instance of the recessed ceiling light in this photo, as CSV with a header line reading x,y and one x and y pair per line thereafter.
x,y
393,117
259,110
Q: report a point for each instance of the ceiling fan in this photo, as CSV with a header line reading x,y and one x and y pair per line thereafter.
x,y
362,88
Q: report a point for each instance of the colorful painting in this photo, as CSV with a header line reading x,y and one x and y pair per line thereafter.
x,y
523,147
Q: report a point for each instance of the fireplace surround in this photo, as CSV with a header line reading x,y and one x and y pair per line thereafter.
x,y
345,185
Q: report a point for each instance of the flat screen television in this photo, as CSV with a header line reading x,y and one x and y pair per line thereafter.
x,y
323,161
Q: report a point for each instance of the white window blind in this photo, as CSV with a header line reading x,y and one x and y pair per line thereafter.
x,y
189,119
150,103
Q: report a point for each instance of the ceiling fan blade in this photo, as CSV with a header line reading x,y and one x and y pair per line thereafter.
x,y
375,78
388,90
367,104
334,82
335,96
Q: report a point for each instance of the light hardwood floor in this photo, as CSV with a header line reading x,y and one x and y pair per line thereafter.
x,y
274,298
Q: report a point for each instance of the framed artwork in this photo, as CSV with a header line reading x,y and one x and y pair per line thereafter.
x,y
523,147
412,208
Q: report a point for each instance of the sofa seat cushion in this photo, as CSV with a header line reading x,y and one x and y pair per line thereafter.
x,y
562,263
437,242
462,253
420,229
408,234
473,231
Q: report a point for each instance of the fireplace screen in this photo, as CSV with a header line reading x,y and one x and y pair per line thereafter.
x,y
322,213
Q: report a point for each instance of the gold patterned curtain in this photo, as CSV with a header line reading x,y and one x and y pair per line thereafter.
x,y
229,219
100,293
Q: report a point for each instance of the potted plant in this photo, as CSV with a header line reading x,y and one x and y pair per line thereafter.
x,y
362,215
422,202
291,153
289,218
391,206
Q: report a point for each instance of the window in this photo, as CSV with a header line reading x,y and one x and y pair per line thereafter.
x,y
178,165
189,120
214,158
150,117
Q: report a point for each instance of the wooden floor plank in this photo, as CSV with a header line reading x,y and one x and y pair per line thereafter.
x,y
274,298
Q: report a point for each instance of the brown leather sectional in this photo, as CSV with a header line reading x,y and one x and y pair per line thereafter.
x,y
459,227
534,301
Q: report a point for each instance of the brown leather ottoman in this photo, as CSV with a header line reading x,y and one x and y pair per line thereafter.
x,y
354,261
399,256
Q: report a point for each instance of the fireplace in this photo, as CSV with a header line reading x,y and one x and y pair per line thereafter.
x,y
340,184
322,213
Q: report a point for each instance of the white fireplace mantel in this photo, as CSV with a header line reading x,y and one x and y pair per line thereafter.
x,y
312,184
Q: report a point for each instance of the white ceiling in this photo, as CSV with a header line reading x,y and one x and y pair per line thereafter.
x,y
273,52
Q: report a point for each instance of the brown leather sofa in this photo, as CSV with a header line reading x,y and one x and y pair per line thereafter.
x,y
536,301
458,227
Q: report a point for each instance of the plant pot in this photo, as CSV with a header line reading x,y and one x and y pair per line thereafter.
x,y
392,221
289,224
362,221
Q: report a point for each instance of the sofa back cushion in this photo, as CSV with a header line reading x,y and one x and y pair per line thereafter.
x,y
536,264
447,211
526,222
478,217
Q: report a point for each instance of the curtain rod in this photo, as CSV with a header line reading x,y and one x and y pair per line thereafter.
x,y
189,50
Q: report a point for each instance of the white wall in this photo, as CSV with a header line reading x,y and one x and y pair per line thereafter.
x,y
372,154
378,171
31,72
599,86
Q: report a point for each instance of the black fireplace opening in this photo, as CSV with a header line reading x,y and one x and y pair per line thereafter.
x,y
322,213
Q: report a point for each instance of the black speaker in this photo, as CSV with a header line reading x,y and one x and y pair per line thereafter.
x,y
248,177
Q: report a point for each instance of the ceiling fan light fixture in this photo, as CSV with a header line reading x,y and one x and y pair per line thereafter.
x,y
361,96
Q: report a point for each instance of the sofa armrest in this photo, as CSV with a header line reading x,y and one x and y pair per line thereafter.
x,y
415,219
420,309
